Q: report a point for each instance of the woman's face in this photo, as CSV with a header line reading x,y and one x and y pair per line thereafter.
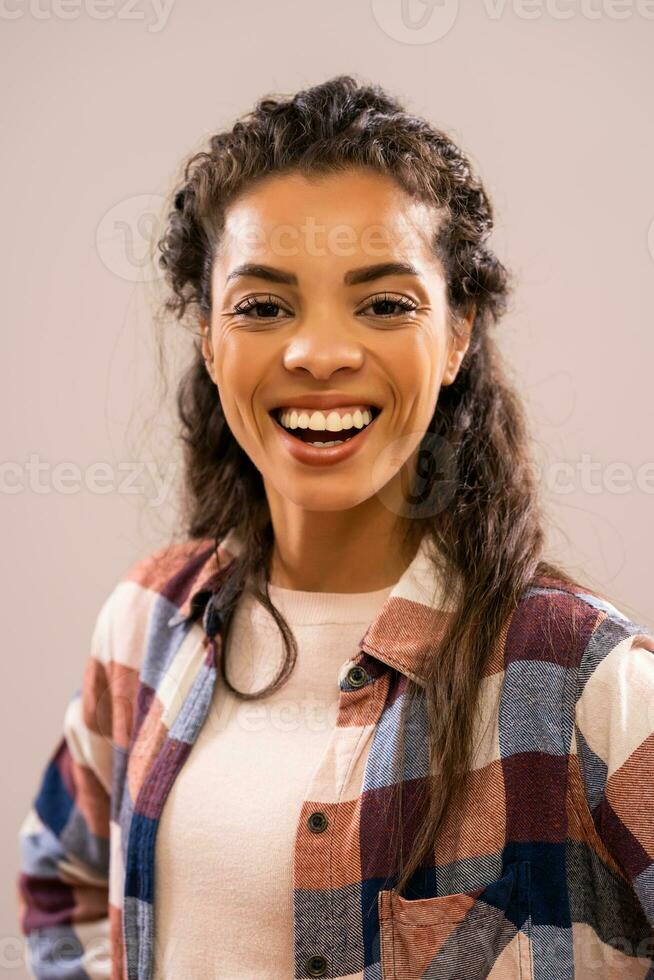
x,y
329,311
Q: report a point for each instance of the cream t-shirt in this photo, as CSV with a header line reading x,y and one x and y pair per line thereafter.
x,y
223,889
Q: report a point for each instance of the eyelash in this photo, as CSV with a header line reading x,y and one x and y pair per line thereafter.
x,y
407,305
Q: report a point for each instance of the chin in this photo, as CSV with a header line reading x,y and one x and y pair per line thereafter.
x,y
338,497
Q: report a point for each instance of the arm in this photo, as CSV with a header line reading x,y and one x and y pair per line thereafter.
x,y
614,729
62,886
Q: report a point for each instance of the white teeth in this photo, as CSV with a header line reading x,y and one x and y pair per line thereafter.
x,y
317,421
320,422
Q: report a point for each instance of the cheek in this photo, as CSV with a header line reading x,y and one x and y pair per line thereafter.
x,y
235,366
239,376
413,365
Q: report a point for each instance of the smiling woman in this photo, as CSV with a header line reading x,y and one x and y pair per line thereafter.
x,y
451,772
380,332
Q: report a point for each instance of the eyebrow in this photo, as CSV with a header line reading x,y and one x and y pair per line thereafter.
x,y
366,273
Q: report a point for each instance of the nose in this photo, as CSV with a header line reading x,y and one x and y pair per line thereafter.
x,y
321,348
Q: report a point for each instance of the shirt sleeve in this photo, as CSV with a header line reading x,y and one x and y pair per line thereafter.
x,y
614,731
63,881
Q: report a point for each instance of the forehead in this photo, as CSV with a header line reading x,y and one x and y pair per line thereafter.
x,y
354,213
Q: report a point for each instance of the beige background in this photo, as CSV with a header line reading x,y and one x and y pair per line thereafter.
x,y
100,106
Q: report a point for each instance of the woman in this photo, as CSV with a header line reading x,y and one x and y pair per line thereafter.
x,y
449,774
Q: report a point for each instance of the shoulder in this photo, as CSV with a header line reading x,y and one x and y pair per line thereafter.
x,y
155,571
148,592
571,624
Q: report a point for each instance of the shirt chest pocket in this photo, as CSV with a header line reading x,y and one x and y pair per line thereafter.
x,y
461,936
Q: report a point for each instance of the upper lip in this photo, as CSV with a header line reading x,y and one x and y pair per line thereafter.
x,y
323,402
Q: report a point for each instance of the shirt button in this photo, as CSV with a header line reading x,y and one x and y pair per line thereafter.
x,y
317,822
357,676
316,966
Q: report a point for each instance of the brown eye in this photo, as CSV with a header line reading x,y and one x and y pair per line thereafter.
x,y
268,307
388,305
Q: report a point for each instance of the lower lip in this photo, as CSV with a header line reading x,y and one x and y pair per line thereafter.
x,y
304,452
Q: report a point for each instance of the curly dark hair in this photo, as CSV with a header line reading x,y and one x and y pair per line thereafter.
x,y
491,531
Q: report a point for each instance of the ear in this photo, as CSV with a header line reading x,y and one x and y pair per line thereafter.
x,y
458,347
205,345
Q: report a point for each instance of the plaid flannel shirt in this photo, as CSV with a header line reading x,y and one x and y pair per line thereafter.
x,y
546,871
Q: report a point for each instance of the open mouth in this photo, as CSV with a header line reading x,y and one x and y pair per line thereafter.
x,y
323,438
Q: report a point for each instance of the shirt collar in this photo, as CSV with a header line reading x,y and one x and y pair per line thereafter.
x,y
413,619
410,622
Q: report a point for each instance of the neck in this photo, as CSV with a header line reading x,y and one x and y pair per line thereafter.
x,y
337,551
